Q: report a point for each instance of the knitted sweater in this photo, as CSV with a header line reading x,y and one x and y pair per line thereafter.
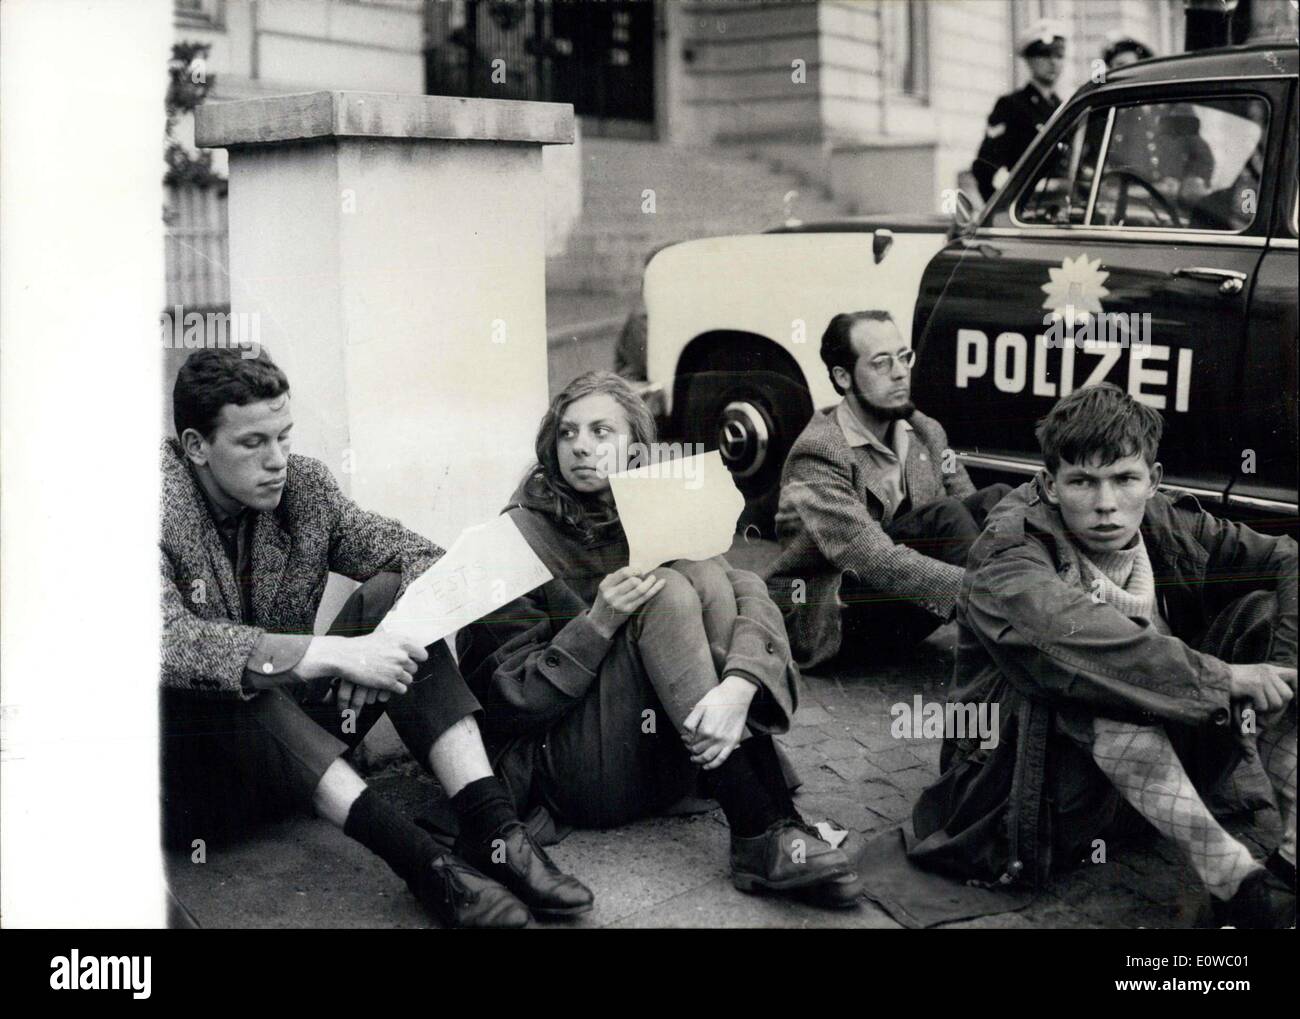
x,y
1122,578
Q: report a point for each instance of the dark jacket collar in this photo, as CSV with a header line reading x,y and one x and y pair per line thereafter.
x,y
1165,539
533,494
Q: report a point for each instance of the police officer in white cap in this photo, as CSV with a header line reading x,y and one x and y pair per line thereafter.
x,y
1019,116
1122,50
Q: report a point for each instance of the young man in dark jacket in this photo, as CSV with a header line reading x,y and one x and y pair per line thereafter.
x,y
257,711
1137,647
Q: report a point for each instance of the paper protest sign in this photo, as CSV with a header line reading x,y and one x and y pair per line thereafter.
x,y
677,509
490,565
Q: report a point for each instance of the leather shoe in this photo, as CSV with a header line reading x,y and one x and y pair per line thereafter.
x,y
514,858
788,855
837,893
459,896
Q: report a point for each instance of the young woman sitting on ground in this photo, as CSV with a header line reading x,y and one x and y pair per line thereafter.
x,y
606,693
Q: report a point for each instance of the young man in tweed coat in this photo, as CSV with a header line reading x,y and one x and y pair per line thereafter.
x,y
876,515
257,711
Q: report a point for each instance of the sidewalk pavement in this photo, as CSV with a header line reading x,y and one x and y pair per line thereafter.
x,y
672,872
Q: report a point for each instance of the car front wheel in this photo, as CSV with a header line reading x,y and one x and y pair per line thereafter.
x,y
752,418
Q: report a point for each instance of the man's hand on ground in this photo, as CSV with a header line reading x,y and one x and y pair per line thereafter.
x,y
1267,687
367,667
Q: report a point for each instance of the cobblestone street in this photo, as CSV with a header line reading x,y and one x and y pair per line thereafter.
x,y
672,871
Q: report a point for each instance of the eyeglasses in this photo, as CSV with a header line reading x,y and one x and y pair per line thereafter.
x,y
883,364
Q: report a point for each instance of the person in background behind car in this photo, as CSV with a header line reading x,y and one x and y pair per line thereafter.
x,y
1018,116
875,510
1122,50
629,351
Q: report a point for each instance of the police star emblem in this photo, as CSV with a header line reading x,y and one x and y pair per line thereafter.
x,y
1075,290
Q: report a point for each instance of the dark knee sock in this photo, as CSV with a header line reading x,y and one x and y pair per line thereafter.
x,y
742,796
767,766
377,825
482,807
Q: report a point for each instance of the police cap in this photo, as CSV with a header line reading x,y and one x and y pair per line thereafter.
x,y
1044,38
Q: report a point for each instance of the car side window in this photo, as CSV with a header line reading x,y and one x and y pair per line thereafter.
x,y
1059,191
1183,165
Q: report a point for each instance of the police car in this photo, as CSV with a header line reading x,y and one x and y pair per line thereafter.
x,y
1149,238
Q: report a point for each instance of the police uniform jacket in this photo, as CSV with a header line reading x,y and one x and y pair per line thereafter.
x,y
1012,127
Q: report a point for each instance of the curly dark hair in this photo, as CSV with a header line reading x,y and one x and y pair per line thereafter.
x,y
215,376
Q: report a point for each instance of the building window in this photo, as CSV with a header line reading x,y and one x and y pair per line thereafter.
x,y
199,13
905,44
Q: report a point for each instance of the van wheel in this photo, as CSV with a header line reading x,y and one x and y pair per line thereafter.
x,y
752,418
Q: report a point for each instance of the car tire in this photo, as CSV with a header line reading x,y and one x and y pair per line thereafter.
x,y
752,416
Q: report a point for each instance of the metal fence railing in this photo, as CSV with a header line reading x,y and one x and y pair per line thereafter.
x,y
197,247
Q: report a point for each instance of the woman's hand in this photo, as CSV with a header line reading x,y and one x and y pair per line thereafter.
x,y
716,724
621,594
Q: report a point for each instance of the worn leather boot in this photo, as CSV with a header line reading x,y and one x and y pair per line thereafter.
x,y
787,856
515,859
837,893
459,896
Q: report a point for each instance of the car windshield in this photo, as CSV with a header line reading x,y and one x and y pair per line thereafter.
x,y
1192,165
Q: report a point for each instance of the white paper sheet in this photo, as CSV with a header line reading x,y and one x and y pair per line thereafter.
x,y
677,509
489,565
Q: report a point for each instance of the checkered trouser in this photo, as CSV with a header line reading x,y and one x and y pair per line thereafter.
x,y
1141,762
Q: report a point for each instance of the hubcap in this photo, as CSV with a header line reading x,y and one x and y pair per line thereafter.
x,y
743,438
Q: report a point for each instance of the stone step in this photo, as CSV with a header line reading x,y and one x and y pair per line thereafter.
x,y
699,192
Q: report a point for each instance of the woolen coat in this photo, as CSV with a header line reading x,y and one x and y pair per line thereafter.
x,y
315,530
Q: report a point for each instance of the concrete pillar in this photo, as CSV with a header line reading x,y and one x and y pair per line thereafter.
x,y
392,248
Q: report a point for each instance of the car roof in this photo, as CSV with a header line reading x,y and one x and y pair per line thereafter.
x,y
1256,60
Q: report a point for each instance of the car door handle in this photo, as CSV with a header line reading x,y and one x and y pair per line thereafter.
x,y
1230,281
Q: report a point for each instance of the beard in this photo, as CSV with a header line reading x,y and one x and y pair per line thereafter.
x,y
902,410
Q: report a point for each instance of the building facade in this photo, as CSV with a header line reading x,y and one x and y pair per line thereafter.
x,y
880,105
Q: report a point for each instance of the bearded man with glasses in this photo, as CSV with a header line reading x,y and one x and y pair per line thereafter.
x,y
876,514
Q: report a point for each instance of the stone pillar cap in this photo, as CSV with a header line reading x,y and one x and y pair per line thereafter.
x,y
311,115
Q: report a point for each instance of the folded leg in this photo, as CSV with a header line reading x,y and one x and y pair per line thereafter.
x,y
1144,767
1277,752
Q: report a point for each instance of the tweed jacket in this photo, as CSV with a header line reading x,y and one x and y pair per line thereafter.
x,y
831,519
316,529
1032,640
